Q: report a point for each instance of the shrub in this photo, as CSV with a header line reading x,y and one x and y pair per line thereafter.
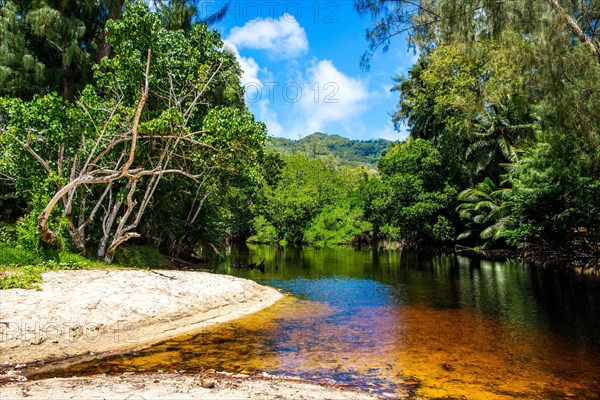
x,y
22,278
265,232
16,255
336,224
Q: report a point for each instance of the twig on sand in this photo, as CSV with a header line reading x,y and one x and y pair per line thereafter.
x,y
163,275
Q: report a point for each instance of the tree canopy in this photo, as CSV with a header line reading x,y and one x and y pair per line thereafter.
x,y
92,170
507,93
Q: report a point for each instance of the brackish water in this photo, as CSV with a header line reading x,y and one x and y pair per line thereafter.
x,y
401,324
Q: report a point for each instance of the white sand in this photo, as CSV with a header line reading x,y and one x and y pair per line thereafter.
x,y
108,310
173,386
82,313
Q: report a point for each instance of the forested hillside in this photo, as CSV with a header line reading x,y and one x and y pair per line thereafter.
x,y
346,152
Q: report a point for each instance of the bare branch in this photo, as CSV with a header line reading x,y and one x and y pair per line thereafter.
x,y
575,28
136,119
188,112
30,150
90,217
104,129
113,247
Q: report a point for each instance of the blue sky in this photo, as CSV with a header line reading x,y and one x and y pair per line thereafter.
x,y
301,68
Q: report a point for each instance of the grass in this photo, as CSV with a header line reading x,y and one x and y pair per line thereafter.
x,y
14,255
27,276
22,269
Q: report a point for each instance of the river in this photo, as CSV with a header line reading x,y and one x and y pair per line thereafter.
x,y
401,324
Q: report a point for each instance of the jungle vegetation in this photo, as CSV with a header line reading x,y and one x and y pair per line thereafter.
x,y
121,124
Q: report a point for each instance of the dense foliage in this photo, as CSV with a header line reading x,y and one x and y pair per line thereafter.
x,y
163,121
119,122
508,93
311,202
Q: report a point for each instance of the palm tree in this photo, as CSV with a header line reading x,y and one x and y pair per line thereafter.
x,y
496,133
488,209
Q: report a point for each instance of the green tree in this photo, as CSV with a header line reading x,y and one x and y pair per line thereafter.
x,y
412,200
53,45
340,223
432,22
48,46
458,100
103,158
488,211
505,86
303,190
554,186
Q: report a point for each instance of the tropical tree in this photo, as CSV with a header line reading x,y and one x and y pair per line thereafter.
x,y
308,195
53,45
47,45
429,23
494,137
102,158
488,211
412,200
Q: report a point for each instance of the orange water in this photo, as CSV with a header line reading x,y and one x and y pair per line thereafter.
x,y
404,327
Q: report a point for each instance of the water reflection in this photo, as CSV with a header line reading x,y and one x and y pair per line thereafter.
x,y
402,323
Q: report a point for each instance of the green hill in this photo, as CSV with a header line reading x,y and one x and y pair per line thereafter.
x,y
344,151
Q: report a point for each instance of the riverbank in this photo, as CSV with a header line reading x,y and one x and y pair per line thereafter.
x,y
88,314
100,311
176,386
532,255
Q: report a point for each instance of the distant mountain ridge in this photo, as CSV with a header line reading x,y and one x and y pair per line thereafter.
x,y
353,153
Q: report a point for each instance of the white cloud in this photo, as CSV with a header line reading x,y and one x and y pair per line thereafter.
x,y
283,37
255,88
330,96
249,66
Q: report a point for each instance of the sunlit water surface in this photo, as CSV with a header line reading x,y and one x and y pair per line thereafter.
x,y
401,324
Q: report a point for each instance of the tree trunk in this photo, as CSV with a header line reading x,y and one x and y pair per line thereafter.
x,y
66,81
110,253
109,220
575,28
78,238
104,49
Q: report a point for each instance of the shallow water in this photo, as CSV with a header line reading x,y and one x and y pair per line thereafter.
x,y
402,324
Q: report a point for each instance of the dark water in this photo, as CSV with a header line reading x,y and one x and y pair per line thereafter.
x,y
401,324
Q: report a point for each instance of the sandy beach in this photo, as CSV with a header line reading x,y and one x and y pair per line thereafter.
x,y
108,310
88,314
175,386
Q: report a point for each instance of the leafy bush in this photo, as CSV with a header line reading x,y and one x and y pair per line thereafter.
x,y
16,255
265,232
27,234
336,224
21,278
487,209
411,202
443,231
8,234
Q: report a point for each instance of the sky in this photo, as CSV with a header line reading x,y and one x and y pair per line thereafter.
x,y
301,68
